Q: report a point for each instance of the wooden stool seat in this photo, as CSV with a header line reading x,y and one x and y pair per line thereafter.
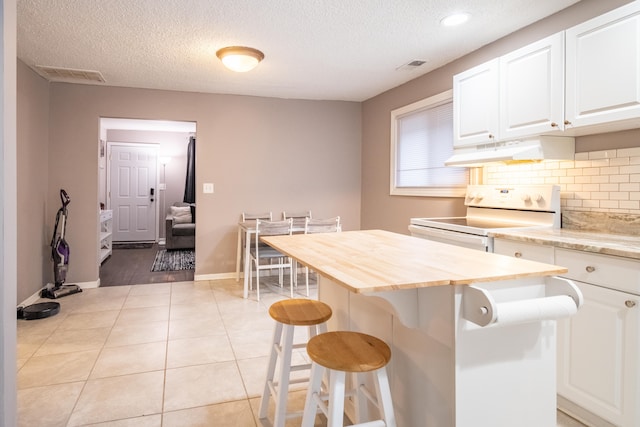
x,y
300,312
289,314
341,352
349,351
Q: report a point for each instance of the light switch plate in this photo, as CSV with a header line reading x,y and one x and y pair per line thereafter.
x,y
207,187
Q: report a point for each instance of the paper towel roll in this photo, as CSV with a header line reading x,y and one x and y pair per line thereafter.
x,y
537,309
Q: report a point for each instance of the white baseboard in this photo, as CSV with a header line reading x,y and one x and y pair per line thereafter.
x,y
36,296
218,276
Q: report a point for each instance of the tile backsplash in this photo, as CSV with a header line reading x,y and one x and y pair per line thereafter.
x,y
596,181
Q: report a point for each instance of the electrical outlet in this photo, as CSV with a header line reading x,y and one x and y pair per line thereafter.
x,y
207,187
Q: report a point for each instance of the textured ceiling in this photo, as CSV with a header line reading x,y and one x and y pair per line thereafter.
x,y
314,49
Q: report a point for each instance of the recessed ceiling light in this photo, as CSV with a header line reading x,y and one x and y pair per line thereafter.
x,y
455,19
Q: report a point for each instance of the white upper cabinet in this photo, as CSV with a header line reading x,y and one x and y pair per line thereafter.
x,y
580,81
532,89
603,68
475,105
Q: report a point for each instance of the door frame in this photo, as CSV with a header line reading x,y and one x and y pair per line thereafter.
x,y
155,145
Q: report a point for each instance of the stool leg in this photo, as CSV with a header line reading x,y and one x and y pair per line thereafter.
x,y
310,405
273,356
336,399
282,393
360,400
384,397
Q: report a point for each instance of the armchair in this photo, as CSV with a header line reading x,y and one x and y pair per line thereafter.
x,y
180,227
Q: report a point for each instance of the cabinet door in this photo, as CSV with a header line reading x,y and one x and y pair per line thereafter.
x,y
532,89
603,68
475,105
598,355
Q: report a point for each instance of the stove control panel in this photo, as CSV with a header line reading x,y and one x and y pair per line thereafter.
x,y
520,197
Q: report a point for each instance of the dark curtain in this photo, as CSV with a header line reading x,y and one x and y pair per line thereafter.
x,y
190,184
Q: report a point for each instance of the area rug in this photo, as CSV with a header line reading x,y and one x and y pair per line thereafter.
x,y
181,259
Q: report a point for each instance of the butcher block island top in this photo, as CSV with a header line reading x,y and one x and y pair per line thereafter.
x,y
376,260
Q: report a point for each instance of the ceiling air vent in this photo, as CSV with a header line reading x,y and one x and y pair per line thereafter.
x,y
411,65
70,74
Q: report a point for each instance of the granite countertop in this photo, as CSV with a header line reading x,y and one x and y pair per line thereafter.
x,y
588,241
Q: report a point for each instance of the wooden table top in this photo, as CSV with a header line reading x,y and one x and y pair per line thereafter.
x,y
376,260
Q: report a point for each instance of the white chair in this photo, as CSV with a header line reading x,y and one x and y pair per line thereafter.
x,y
267,216
312,226
259,252
297,217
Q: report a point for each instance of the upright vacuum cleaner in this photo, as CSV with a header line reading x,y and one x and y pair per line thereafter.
x,y
60,255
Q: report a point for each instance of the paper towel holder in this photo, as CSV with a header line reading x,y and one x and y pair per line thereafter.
x,y
479,307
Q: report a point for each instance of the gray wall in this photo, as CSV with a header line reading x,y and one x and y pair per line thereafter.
x,y
35,267
261,154
379,209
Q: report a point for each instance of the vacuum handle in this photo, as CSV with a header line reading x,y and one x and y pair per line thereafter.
x,y
64,198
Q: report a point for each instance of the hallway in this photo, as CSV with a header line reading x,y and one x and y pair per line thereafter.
x,y
133,267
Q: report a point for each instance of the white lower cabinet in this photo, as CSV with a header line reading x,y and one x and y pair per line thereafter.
x,y
598,348
598,358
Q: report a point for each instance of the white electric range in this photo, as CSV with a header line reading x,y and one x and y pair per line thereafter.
x,y
492,207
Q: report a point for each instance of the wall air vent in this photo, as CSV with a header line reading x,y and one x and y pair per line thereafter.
x,y
69,74
411,65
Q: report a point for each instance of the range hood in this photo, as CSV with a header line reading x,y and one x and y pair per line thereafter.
x,y
533,149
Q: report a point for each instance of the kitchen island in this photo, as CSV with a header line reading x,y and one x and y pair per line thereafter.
x,y
418,296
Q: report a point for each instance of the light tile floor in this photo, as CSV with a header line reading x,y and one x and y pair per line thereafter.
x,y
159,355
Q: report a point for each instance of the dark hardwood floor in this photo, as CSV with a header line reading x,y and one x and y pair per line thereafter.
x,y
133,267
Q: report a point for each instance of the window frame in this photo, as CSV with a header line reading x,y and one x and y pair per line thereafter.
x,y
430,191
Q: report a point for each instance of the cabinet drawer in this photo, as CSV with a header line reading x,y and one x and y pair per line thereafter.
x,y
523,250
601,270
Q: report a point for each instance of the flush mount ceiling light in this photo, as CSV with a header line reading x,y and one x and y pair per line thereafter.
x,y
240,58
455,19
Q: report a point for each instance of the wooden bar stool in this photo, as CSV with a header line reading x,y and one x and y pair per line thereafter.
x,y
288,314
341,352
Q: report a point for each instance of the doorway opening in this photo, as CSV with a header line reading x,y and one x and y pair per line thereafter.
x,y
142,174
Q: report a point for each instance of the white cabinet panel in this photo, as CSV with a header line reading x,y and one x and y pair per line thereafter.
x,y
608,271
598,355
475,105
603,68
530,251
532,89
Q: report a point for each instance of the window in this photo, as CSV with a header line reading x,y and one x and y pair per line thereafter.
x,y
421,141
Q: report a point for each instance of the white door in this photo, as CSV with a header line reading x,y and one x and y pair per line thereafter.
x,y
133,191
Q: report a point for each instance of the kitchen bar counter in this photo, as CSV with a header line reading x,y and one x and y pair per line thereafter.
x,y
419,297
587,241
376,260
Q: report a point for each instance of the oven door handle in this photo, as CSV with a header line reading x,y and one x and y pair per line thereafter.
x,y
453,236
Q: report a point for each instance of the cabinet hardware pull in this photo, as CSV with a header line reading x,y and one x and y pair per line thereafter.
x,y
630,303
491,136
590,269
567,123
517,255
554,125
